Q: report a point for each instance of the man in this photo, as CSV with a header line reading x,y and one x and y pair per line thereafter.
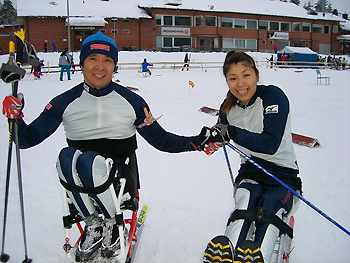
x,y
100,120
145,69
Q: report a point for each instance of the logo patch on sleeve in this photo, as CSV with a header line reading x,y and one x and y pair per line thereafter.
x,y
271,109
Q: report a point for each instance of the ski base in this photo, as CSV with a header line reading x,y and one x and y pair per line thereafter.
x,y
219,249
248,252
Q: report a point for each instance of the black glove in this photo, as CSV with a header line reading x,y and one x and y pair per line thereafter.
x,y
199,141
218,136
219,133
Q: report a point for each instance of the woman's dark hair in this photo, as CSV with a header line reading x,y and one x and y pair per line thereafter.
x,y
233,57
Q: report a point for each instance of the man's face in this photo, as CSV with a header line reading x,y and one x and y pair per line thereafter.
x,y
98,70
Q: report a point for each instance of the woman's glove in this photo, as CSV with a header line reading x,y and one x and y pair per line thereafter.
x,y
211,139
218,135
12,107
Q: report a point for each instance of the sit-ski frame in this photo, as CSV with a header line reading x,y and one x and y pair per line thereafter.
x,y
132,222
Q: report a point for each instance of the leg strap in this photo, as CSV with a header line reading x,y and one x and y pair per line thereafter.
x,y
94,190
261,215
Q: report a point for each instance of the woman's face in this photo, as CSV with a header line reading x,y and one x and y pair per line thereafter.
x,y
242,80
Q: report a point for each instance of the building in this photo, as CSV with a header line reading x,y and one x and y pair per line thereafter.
x,y
173,25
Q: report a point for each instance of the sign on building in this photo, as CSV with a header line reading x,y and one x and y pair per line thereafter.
x,y
175,31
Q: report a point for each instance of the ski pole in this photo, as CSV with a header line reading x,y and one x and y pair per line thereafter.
x,y
11,73
289,188
228,165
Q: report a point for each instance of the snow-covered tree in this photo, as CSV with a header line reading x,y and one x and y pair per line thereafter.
x,y
309,7
329,8
320,5
297,2
8,14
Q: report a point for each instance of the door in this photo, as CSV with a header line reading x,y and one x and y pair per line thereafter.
x,y
205,44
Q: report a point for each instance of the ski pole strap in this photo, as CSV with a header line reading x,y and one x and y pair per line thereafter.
x,y
92,190
291,189
261,214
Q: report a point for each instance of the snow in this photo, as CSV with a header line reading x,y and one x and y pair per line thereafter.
x,y
112,8
189,195
86,21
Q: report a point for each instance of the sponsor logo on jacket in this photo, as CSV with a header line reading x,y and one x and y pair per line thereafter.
x,y
271,109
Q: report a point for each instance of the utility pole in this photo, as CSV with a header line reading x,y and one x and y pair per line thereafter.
x,y
68,27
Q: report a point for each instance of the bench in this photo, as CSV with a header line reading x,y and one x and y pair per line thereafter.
x,y
320,77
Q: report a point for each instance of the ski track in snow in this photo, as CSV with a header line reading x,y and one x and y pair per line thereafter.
x,y
189,195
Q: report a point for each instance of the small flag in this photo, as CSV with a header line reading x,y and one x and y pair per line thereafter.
x,y
191,83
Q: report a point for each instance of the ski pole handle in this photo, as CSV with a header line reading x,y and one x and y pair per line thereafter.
x,y
290,189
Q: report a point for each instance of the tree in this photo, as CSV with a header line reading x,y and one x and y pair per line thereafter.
x,y
8,14
320,5
329,8
296,2
335,12
309,7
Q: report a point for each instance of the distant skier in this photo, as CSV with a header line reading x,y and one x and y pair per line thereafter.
x,y
53,45
145,68
257,119
45,46
186,61
100,120
65,64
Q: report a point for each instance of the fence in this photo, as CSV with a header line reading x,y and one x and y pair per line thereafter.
x,y
201,65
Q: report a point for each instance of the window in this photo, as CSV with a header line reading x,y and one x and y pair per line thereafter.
x,y
181,41
240,43
167,42
114,31
285,26
251,44
306,27
317,29
168,20
263,25
126,31
327,29
239,23
159,41
198,20
183,21
126,20
275,26
252,24
227,43
296,27
158,20
335,29
210,20
226,22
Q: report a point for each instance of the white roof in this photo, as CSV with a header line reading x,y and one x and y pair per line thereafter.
x,y
129,8
343,37
82,8
345,25
86,21
300,50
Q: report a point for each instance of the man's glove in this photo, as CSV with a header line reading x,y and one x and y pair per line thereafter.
x,y
12,106
199,141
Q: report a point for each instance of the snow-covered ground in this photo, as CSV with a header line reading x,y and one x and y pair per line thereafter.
x,y
189,195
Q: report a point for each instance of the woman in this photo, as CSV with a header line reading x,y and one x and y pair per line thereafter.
x,y
64,62
257,119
